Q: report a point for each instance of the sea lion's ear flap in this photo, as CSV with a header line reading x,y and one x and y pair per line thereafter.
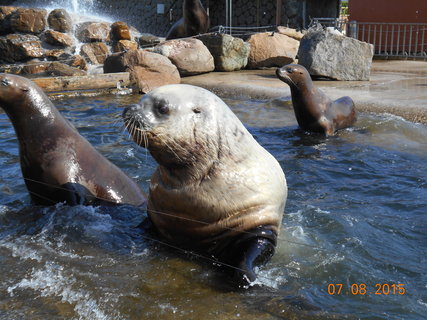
x,y
24,89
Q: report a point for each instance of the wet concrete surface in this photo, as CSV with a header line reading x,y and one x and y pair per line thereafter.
x,y
396,87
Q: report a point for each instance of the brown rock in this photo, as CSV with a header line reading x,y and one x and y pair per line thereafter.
x,y
54,54
58,38
189,55
290,32
5,14
120,31
271,50
95,52
60,20
93,32
20,47
28,20
61,69
125,45
148,70
35,67
77,61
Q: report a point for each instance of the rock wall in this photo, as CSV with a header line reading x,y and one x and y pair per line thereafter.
x,y
143,15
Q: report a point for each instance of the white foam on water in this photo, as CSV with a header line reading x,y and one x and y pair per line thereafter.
x,y
20,249
272,278
51,281
331,259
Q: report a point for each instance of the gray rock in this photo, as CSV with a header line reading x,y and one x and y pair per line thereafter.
x,y
334,56
229,53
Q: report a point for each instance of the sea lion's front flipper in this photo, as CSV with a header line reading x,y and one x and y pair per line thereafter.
x,y
254,252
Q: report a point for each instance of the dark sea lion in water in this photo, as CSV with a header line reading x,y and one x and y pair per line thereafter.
x,y
215,190
58,164
313,109
195,21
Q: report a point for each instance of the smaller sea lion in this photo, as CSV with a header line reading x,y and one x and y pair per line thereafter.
x,y
195,21
57,163
314,110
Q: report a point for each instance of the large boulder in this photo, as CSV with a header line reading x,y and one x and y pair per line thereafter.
x,y
190,55
148,70
95,52
93,32
20,47
229,53
327,54
59,20
271,50
28,20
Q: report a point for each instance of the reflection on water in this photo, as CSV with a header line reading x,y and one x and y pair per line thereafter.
x,y
355,215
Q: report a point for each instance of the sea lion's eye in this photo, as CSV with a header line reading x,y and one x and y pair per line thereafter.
x,y
5,82
164,110
289,70
197,110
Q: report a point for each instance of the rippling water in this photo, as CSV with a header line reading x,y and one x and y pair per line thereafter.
x,y
355,221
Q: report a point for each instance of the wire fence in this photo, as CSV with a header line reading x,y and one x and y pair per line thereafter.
x,y
399,40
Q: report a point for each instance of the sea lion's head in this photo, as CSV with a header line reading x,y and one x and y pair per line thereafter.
x,y
20,95
294,75
179,124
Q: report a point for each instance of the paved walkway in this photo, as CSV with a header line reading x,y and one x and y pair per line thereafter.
x,y
397,87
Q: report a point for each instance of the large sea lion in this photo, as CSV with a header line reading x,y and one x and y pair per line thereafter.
x,y
313,109
58,164
195,21
215,189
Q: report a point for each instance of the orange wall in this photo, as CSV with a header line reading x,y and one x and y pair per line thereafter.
x,y
403,11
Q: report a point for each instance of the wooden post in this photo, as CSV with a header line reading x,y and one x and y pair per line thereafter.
x,y
278,12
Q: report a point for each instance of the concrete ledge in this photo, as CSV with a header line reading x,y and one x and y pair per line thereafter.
x,y
396,87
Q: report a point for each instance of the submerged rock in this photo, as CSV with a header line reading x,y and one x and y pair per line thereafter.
x,y
327,54
229,53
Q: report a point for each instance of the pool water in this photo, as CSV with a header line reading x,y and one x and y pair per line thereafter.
x,y
353,242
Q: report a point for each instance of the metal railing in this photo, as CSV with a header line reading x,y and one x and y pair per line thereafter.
x,y
394,40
